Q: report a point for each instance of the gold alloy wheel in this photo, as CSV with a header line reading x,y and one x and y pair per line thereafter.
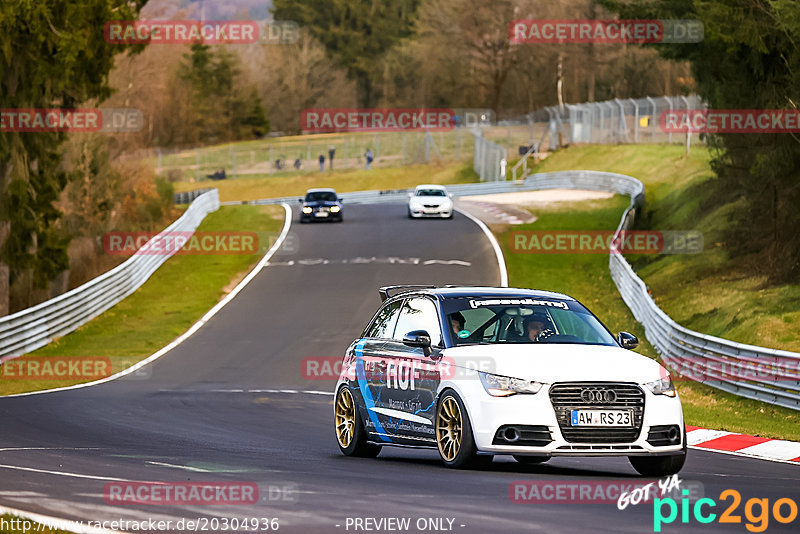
x,y
448,429
345,417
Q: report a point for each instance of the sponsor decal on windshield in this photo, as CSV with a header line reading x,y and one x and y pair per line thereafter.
x,y
518,302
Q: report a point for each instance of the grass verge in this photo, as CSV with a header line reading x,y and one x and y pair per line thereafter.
x,y
152,316
296,184
586,277
709,292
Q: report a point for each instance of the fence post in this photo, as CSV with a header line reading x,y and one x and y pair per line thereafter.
x,y
669,101
688,130
653,118
635,120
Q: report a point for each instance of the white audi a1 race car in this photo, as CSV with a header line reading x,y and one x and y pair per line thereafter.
x,y
475,372
430,200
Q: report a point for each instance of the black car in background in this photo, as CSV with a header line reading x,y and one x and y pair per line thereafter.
x,y
321,204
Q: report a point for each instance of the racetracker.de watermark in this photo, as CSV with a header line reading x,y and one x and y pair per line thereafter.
x,y
181,493
176,242
598,491
111,120
730,121
766,370
397,370
606,31
605,242
57,368
199,31
208,493
377,120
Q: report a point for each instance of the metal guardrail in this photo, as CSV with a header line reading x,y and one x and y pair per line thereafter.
x,y
768,375
717,362
35,327
187,197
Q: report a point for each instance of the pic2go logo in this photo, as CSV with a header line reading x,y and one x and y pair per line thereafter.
x,y
756,511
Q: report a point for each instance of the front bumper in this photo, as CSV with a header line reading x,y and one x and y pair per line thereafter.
x,y
314,217
441,213
535,416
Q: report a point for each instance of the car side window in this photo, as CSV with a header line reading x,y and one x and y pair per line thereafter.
x,y
382,326
419,314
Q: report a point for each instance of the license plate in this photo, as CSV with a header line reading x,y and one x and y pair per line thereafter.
x,y
601,418
321,214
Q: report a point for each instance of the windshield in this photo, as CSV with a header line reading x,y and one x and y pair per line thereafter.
x,y
430,193
523,320
321,196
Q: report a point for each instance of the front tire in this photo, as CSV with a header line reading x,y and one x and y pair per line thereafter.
x,y
658,466
350,433
454,439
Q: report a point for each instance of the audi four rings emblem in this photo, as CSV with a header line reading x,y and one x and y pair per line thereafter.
x,y
598,395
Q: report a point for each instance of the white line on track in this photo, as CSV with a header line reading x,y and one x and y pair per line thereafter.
x,y
742,455
184,467
65,473
57,523
498,252
11,449
308,392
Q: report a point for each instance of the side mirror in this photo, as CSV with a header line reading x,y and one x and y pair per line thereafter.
x,y
300,200
450,195
340,200
418,338
627,340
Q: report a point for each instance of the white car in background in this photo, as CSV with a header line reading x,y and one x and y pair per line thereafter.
x,y
430,200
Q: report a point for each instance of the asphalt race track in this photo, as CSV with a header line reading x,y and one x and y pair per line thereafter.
x,y
232,404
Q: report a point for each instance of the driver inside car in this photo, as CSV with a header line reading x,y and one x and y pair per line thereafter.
x,y
535,329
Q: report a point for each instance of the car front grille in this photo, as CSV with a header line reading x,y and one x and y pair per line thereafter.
x,y
431,205
566,397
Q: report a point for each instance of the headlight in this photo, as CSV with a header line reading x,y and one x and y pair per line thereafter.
x,y
662,386
504,386
335,209
307,209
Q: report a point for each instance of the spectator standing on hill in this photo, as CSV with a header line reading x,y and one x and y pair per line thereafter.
x,y
369,157
322,163
331,153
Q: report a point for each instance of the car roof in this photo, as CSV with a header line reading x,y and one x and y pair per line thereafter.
x,y
321,190
430,186
453,292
